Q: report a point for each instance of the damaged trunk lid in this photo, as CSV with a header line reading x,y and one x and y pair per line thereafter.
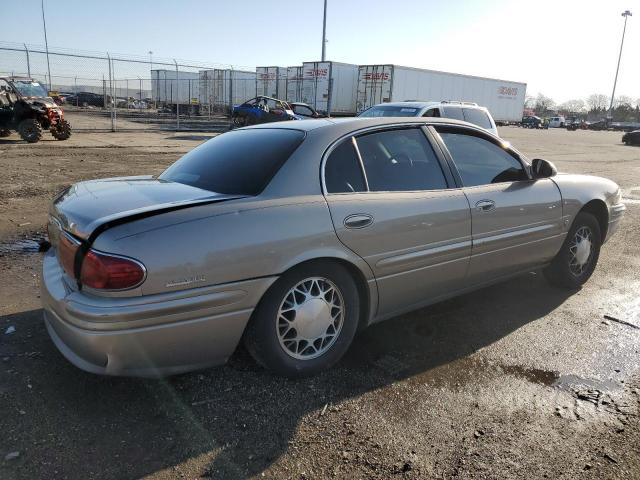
x,y
87,208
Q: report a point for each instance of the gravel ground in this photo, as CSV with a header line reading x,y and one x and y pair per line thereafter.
x,y
518,380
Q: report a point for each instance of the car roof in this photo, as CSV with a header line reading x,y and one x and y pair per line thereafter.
x,y
411,104
423,104
357,123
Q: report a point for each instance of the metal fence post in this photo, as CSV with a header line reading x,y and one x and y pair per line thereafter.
x,y
113,113
231,91
177,96
28,63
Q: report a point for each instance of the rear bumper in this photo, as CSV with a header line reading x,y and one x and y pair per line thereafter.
x,y
148,336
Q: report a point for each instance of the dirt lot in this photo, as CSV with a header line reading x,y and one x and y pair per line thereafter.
x,y
519,380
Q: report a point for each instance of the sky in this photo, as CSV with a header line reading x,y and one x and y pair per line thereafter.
x,y
564,49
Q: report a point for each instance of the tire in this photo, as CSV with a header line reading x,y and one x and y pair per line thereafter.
x,y
4,133
30,130
272,336
237,121
566,269
63,130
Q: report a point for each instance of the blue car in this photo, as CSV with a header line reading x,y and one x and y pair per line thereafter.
x,y
263,109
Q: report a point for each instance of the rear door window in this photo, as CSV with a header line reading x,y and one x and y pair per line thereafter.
x,y
400,160
236,163
477,117
342,172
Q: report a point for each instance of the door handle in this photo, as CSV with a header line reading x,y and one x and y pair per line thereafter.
x,y
485,205
358,220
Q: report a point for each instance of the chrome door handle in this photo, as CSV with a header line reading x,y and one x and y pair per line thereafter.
x,y
358,220
485,205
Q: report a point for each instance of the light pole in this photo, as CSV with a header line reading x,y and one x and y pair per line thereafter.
x,y
324,31
46,43
625,14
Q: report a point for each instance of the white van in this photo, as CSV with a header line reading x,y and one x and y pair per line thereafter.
x,y
556,122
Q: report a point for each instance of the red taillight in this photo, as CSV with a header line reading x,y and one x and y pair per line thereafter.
x,y
109,272
67,248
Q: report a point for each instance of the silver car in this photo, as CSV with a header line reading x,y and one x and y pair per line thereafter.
x,y
293,236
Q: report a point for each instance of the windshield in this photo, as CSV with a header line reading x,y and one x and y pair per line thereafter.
x,y
390,111
236,163
29,89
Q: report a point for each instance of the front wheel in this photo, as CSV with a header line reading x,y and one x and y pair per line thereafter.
x,y
4,133
578,257
306,321
62,130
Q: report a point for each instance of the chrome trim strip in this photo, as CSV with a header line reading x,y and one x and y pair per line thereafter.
x,y
423,254
364,173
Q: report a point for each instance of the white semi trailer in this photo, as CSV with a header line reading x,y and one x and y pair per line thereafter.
x,y
294,84
222,88
393,83
271,81
171,87
330,87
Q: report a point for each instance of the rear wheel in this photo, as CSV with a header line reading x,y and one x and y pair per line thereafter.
x,y
62,130
306,320
30,130
4,133
578,257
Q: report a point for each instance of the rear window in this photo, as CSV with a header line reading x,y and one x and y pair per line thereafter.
x,y
390,111
477,117
237,163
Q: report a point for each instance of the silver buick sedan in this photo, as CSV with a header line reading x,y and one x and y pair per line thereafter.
x,y
291,237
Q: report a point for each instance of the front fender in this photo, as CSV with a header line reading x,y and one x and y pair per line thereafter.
x,y
578,190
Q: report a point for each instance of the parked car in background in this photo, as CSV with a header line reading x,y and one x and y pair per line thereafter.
x,y
557,122
86,99
465,111
576,124
533,122
261,109
598,125
631,138
304,111
292,236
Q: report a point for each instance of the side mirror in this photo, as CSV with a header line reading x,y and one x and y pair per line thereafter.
x,y
543,168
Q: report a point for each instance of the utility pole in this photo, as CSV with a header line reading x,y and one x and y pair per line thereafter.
x,y
324,31
46,43
625,14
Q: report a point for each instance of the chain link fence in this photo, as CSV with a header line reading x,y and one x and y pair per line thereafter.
x,y
114,92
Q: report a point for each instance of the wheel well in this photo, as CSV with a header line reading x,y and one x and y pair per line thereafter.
x,y
598,209
358,278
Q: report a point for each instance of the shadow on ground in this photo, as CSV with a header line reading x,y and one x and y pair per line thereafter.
x,y
77,425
